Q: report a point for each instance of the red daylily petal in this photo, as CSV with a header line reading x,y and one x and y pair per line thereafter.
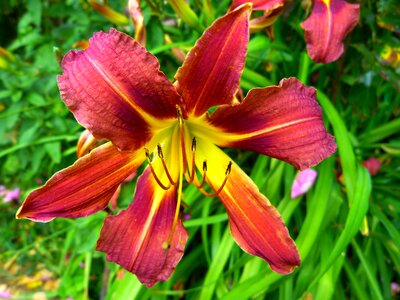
x,y
116,90
259,4
282,121
135,238
255,224
211,72
330,21
83,188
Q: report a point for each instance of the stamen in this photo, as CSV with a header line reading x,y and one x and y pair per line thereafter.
x,y
161,156
153,172
227,173
203,181
194,144
191,176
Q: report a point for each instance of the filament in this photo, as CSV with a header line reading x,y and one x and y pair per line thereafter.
x,y
161,156
191,176
164,187
216,193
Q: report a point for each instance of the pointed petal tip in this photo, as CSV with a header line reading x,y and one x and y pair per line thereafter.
x,y
211,72
34,218
286,268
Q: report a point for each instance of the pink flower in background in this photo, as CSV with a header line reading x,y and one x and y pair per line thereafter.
x,y
303,182
9,195
5,295
373,165
395,287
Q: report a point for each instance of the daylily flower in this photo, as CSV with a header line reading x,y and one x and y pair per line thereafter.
x,y
303,181
116,90
329,23
9,195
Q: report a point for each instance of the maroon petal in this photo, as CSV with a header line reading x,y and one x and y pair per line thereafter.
x,y
260,4
255,224
330,21
282,121
211,72
116,90
83,188
136,238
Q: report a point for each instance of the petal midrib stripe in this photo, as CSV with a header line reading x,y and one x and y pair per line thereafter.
x,y
118,90
235,136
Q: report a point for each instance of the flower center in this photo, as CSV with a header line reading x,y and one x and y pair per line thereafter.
x,y
179,150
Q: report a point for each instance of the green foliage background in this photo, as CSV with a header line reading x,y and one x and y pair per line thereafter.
x,y
347,227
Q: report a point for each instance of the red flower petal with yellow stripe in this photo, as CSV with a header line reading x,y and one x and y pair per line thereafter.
x,y
282,121
144,229
83,188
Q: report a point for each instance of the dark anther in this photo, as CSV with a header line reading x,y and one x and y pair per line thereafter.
x,y
147,153
228,169
194,144
205,165
178,111
159,150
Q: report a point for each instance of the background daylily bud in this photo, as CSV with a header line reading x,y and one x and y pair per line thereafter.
x,y
303,181
183,10
109,13
266,20
138,21
86,143
177,52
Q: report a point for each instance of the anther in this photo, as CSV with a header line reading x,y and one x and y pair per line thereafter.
x,y
190,177
159,150
194,144
153,172
227,172
161,156
205,166
229,168
146,151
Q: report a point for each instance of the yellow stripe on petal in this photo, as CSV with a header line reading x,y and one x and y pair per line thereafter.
x,y
255,224
135,238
